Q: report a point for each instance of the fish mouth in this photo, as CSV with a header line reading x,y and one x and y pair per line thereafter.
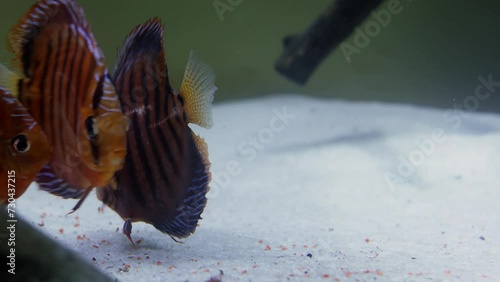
x,y
111,162
117,158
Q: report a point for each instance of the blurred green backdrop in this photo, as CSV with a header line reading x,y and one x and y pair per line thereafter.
x,y
430,54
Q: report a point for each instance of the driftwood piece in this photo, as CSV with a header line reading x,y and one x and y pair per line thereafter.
x,y
305,51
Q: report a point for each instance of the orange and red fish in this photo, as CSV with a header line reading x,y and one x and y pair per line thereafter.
x,y
24,148
166,174
66,87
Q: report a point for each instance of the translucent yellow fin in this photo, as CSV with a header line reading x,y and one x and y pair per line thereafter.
x,y
9,80
197,90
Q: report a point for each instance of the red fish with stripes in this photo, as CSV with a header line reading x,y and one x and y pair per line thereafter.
x,y
61,78
24,148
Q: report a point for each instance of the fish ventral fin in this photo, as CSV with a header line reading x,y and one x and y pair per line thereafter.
x,y
127,230
197,90
48,181
9,80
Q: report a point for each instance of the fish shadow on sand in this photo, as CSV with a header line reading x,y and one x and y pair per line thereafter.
x,y
476,127
352,139
224,245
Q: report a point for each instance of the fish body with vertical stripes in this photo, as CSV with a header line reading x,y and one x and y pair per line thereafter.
x,y
24,148
166,174
63,81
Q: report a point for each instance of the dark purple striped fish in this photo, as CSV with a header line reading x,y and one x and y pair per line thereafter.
x,y
166,172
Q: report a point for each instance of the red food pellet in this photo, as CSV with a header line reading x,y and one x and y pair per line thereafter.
x,y
325,275
158,262
61,230
268,248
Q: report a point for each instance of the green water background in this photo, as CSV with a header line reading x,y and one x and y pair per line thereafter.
x,y
431,53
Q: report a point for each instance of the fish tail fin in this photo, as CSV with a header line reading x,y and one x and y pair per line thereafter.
x,y
197,90
9,80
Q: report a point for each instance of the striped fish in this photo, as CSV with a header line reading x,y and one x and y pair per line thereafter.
x,y
24,148
67,89
166,173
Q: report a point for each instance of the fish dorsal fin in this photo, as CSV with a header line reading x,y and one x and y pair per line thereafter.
x,y
197,90
145,39
142,55
42,13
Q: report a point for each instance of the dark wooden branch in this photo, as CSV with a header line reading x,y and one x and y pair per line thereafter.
x,y
304,52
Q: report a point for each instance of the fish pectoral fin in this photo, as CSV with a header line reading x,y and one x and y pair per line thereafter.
x,y
9,80
197,90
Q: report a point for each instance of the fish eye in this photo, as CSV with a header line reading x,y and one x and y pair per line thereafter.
x,y
21,143
91,127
